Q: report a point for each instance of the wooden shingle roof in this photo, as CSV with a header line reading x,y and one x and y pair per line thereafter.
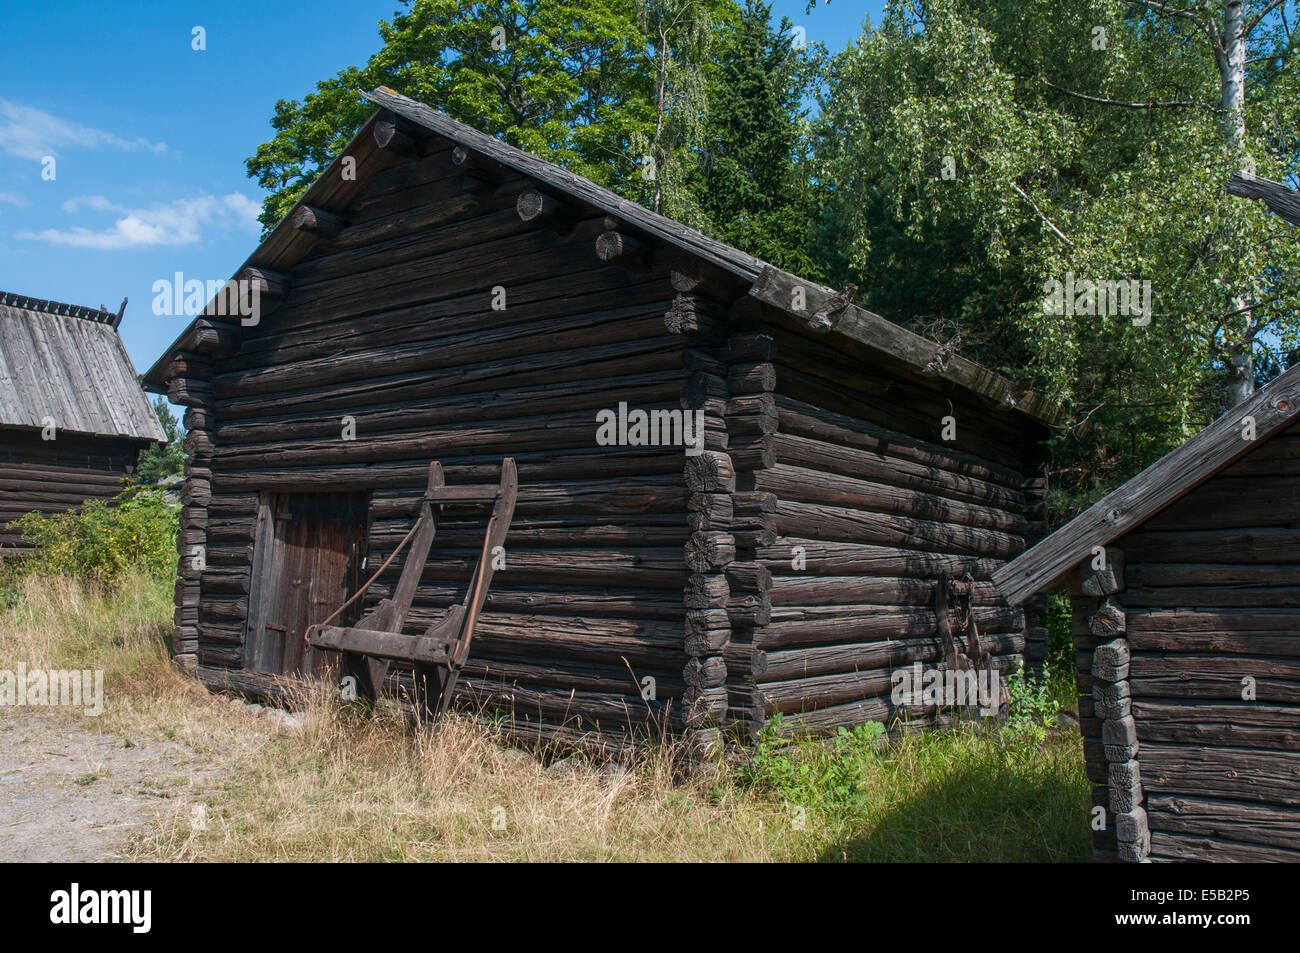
x,y
1272,408
67,364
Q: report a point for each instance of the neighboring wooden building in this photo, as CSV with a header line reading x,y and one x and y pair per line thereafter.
x,y
461,301
1185,585
73,418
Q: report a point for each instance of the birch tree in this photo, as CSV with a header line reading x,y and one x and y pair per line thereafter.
x,y
973,152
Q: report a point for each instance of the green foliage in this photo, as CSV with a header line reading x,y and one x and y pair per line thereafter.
x,y
755,186
1060,639
166,459
681,57
1032,704
689,107
569,83
104,541
974,793
1069,154
813,776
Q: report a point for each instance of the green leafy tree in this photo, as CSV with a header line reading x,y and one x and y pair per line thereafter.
x,y
566,82
755,188
679,57
160,460
971,152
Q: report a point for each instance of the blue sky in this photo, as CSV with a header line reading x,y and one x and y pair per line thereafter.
x,y
149,136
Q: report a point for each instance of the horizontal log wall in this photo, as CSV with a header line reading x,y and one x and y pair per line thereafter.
x,y
865,504
1213,625
51,476
456,311
390,321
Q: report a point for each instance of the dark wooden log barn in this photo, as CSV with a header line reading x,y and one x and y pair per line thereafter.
x,y
73,418
1185,586
451,298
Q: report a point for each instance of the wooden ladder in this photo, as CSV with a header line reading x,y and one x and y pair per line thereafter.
x,y
377,640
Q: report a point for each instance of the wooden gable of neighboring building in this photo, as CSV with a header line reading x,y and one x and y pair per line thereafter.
x,y
1185,587
73,418
461,301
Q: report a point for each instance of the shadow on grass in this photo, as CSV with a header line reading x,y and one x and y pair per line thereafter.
x,y
1031,807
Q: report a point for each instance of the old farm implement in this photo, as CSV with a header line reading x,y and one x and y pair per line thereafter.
x,y
962,651
370,646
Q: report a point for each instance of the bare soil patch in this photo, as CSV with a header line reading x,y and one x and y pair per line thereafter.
x,y
69,792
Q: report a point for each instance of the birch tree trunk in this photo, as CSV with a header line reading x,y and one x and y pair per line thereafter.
x,y
1232,75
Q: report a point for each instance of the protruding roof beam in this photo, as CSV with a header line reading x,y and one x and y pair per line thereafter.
x,y
318,222
544,210
390,137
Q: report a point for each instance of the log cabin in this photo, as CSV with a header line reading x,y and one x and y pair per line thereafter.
x,y
1186,619
73,418
438,295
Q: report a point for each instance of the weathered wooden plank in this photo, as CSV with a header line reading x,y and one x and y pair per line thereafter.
x,y
1232,773
779,288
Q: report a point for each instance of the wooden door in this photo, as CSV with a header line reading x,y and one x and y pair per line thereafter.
x,y
307,560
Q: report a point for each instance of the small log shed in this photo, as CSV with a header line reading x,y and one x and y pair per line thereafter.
x,y
1185,587
438,295
73,418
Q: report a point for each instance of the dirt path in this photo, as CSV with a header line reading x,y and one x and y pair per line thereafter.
x,y
69,793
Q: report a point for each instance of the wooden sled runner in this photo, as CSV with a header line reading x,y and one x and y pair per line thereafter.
x,y
437,656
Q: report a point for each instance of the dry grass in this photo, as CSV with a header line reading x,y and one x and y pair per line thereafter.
x,y
339,787
125,631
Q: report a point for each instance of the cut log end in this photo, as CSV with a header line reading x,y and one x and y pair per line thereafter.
x,y
391,139
317,221
617,248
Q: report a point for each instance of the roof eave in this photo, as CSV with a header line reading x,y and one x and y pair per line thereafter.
x,y
912,350
1175,474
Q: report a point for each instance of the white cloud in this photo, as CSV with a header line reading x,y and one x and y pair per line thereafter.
x,y
97,202
179,222
10,198
243,208
30,133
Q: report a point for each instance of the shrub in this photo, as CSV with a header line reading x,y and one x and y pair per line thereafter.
x,y
104,541
822,773
1032,704
1060,640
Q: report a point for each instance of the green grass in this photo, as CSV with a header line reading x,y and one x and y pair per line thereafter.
x,y
62,622
981,792
347,788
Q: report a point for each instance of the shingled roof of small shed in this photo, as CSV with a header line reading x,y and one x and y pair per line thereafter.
x,y
284,247
66,363
1273,408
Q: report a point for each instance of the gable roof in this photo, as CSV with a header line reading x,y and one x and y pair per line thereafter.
x,y
1176,473
285,246
68,364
